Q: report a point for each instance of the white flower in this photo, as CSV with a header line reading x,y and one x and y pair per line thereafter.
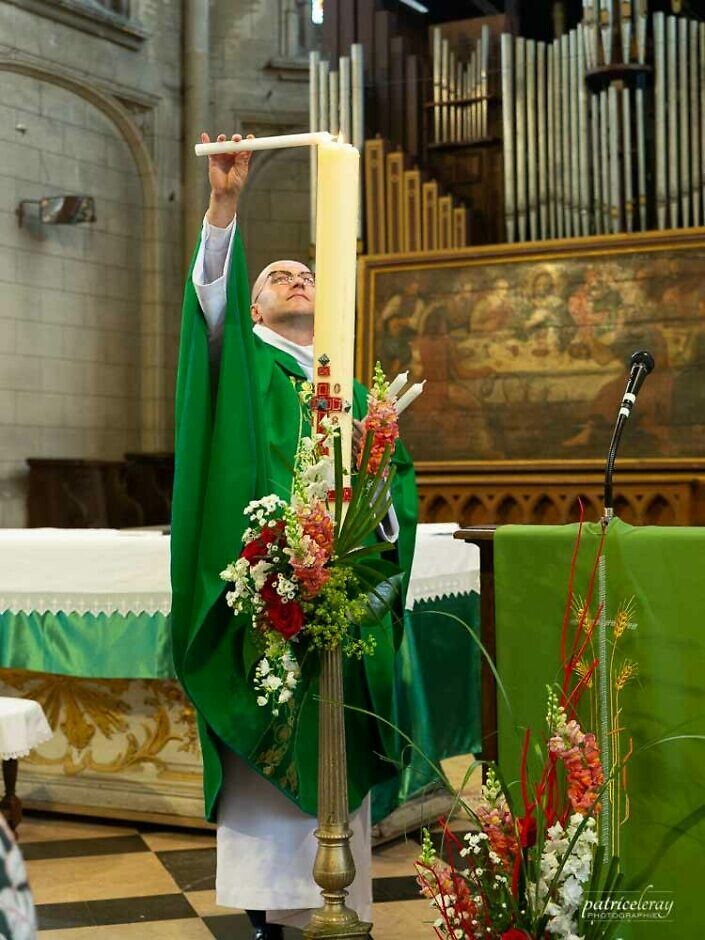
x,y
233,600
266,504
258,573
284,696
289,663
562,907
572,892
262,700
263,666
285,588
578,865
271,683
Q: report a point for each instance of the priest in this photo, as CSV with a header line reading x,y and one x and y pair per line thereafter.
x,y
242,356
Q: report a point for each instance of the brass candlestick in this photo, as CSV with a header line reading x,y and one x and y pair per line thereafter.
x,y
334,868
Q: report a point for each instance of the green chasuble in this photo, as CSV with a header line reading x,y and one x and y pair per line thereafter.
x,y
658,572
232,446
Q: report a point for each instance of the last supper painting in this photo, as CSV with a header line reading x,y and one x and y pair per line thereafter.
x,y
513,344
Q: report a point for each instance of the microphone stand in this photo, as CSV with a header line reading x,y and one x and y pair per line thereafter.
x,y
641,363
608,511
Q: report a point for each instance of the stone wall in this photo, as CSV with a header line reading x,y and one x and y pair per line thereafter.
x,y
260,82
85,321
89,314
70,312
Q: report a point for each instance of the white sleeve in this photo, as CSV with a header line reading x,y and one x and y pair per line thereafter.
x,y
210,270
388,529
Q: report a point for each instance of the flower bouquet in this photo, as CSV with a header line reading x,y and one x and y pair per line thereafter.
x,y
309,574
527,867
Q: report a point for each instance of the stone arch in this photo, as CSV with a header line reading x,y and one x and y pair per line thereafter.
x,y
152,386
253,215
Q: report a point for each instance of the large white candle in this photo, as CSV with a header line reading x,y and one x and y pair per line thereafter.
x,y
409,396
263,143
398,384
336,259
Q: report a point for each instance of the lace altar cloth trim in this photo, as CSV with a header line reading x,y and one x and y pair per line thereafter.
x,y
437,586
57,603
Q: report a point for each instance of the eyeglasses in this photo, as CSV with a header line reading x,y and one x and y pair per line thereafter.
x,y
288,278
280,278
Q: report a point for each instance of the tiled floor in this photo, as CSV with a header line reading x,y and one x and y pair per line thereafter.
x,y
112,882
135,882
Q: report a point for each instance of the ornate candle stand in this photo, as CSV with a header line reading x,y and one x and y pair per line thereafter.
x,y
334,869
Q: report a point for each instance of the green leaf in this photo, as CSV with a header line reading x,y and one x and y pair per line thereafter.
x,y
374,571
367,509
368,491
376,549
338,469
381,600
365,456
382,580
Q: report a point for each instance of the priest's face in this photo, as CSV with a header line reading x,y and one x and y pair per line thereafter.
x,y
283,292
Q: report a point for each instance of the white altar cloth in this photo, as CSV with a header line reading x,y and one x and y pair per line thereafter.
x,y
84,571
111,571
442,565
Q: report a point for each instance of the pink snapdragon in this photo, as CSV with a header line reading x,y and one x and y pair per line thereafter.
x,y
382,423
580,756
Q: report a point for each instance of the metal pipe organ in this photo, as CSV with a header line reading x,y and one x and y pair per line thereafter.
x,y
601,130
336,104
604,128
461,91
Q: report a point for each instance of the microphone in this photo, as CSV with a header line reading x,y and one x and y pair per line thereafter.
x,y
641,364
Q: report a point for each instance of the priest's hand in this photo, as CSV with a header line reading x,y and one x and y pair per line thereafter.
x,y
227,174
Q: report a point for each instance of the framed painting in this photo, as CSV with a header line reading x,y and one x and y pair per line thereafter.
x,y
525,349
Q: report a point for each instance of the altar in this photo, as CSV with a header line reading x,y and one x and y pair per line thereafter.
x,y
84,630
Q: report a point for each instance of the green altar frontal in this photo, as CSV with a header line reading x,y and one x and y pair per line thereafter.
x,y
660,571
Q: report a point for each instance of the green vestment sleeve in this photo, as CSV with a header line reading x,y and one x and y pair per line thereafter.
x,y
229,451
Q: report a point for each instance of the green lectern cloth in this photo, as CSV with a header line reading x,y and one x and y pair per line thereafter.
x,y
662,569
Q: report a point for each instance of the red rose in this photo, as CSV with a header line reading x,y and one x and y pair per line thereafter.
x,y
257,549
286,617
515,934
